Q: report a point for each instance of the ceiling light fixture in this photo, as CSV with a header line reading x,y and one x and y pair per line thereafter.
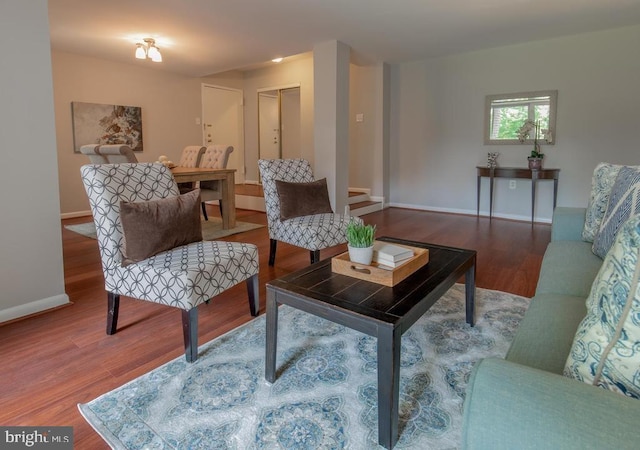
x,y
148,50
277,60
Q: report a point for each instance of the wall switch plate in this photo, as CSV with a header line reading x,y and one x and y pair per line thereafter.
x,y
512,184
197,120
360,117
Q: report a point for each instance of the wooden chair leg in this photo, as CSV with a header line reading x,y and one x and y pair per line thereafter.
x,y
254,297
204,211
272,251
190,331
113,305
315,256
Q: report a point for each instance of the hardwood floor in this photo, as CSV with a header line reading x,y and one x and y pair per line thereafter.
x,y
55,360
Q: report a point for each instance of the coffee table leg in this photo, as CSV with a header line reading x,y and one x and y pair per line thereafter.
x,y
272,336
470,294
389,340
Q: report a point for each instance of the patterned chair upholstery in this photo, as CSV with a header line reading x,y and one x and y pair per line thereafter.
x,y
214,157
183,277
109,154
313,232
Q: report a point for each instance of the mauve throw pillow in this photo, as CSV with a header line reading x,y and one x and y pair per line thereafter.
x,y
159,225
303,199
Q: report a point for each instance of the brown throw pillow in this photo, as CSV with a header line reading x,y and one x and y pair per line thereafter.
x,y
303,199
159,225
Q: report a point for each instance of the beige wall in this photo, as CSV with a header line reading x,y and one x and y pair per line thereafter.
x,y
31,272
170,105
437,120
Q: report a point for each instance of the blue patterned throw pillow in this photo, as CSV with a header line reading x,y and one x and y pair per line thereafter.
x,y
624,202
604,177
606,347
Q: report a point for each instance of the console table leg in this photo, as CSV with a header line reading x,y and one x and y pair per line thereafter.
x,y
533,199
478,196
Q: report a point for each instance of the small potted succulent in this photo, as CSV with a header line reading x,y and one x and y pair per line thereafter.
x,y
360,239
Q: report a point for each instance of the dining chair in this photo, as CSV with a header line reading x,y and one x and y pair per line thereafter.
x,y
182,277
109,153
214,157
190,157
312,232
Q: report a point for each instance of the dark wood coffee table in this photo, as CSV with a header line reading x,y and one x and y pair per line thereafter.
x,y
383,312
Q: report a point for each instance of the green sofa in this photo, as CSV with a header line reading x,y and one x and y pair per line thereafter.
x,y
523,401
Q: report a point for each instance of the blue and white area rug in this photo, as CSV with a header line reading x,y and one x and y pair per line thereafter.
x,y
325,396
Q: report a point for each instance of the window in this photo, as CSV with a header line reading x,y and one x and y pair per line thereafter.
x,y
506,113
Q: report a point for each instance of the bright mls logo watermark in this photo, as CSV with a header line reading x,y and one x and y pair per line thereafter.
x,y
36,438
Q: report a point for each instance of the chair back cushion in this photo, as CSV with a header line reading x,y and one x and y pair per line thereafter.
x,y
117,153
109,184
290,170
159,225
216,157
91,151
303,199
191,156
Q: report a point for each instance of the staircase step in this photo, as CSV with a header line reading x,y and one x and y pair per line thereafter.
x,y
362,208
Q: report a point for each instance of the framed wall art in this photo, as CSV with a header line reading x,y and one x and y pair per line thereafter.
x,y
95,123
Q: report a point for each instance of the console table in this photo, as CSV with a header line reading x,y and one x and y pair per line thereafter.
x,y
518,172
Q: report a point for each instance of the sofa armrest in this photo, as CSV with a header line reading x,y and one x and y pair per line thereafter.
x,y
510,406
567,223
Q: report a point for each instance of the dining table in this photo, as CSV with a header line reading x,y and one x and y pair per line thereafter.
x,y
227,181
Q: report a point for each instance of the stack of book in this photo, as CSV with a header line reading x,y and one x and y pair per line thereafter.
x,y
390,255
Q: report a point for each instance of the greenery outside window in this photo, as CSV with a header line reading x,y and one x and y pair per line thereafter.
x,y
506,113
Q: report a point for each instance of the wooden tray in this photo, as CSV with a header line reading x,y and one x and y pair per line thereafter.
x,y
388,277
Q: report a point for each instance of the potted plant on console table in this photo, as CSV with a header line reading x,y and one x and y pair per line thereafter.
x,y
360,239
532,129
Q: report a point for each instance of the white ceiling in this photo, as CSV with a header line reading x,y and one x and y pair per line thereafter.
x,y
203,37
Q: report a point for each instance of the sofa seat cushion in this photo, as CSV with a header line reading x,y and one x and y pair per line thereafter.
x,y
544,337
568,268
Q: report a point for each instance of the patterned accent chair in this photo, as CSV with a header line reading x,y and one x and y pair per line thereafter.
x,y
313,232
183,277
109,154
214,157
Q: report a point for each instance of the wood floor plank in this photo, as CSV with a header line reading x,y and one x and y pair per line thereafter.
x,y
52,361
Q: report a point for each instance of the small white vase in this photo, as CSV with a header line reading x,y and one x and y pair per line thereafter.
x,y
361,255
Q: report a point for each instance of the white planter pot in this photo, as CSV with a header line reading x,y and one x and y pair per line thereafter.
x,y
361,255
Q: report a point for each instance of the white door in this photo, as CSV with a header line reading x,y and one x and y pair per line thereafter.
x,y
269,125
222,113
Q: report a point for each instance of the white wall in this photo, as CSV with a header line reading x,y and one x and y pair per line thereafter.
x,y
437,120
31,271
362,100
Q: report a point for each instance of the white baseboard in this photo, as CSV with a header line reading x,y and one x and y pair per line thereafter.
x,y
483,213
33,307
